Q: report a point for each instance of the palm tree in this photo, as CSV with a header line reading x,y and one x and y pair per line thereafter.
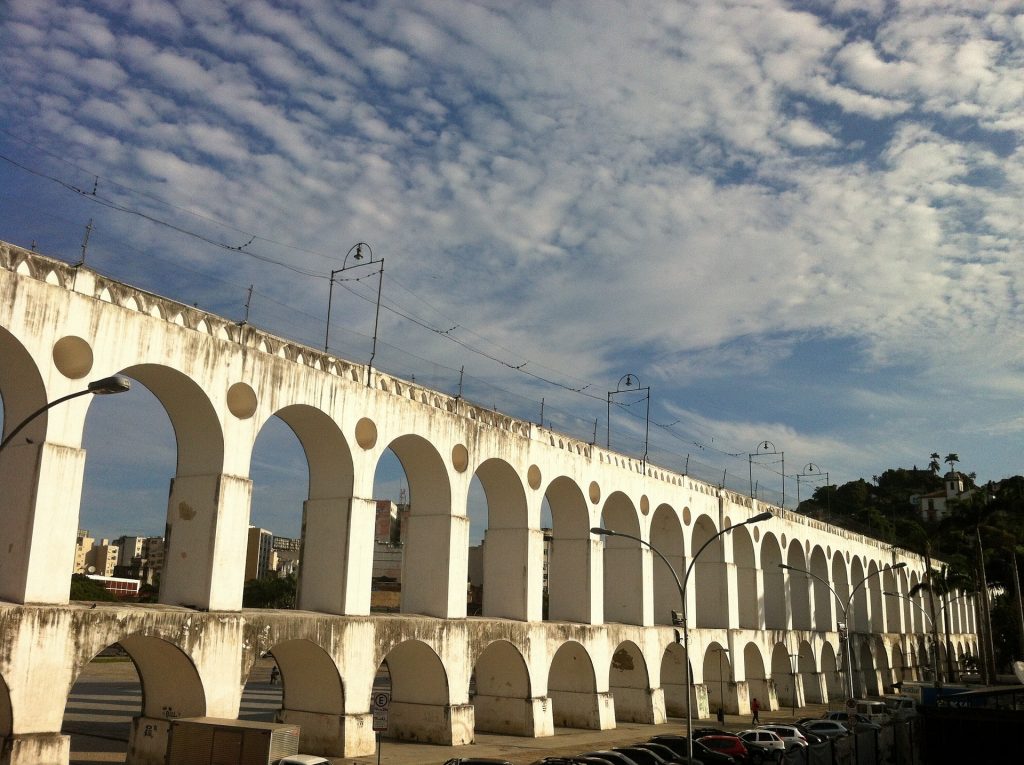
x,y
934,464
951,459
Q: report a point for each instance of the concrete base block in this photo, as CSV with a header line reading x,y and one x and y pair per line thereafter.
x,y
332,735
574,709
513,717
431,723
147,741
36,749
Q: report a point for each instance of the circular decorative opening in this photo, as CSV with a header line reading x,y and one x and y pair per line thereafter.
x,y
241,401
533,477
687,517
366,433
460,457
73,357
595,492
645,504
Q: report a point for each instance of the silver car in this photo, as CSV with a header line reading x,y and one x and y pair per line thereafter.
x,y
790,735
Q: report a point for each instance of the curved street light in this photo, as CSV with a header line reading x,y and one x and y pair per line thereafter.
x,y
846,619
356,251
682,597
115,384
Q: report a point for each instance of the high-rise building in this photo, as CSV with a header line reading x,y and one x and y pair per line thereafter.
x,y
258,553
83,544
101,559
128,548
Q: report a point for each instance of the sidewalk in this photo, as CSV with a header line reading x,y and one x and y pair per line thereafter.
x,y
566,741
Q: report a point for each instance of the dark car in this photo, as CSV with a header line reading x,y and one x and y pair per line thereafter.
x,y
702,732
668,755
564,761
616,758
643,756
476,761
700,752
811,736
860,722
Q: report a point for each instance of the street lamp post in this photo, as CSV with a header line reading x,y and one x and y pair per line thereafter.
x,y
115,384
356,251
682,598
846,618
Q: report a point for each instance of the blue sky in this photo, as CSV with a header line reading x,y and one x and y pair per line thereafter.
x,y
795,222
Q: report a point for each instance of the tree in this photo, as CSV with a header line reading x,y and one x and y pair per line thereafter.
x,y
84,588
270,592
951,459
934,464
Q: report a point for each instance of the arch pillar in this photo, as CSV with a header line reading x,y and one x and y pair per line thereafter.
x,y
576,580
583,709
36,749
444,724
42,515
327,584
640,705
510,716
519,596
330,735
434,565
207,523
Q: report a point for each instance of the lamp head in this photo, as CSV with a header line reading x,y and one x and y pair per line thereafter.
x,y
602,532
766,515
115,384
358,255
901,564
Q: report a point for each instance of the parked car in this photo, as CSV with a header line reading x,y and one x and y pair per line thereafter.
x,y
643,756
812,737
860,722
702,732
768,744
616,758
700,752
476,761
304,759
900,707
790,734
727,744
827,728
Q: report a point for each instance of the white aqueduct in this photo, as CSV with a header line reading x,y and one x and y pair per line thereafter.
x,y
605,652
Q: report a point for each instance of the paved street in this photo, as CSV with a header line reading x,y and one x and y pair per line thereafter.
x,y
108,695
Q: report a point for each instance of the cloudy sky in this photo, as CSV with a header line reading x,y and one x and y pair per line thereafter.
x,y
794,221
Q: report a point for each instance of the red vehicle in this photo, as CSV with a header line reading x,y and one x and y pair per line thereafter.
x,y
730,745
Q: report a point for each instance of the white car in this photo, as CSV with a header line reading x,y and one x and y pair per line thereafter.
x,y
790,735
765,740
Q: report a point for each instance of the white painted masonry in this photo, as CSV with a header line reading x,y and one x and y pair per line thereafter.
x,y
606,652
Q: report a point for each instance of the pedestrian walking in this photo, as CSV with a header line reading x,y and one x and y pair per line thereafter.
x,y
274,672
755,707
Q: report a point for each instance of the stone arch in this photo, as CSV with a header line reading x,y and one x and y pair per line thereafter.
x,y
572,688
710,577
892,604
673,681
629,684
22,390
873,585
420,694
718,678
746,577
868,670
623,562
821,618
667,535
200,566
507,545
799,587
859,618
756,676
313,693
426,585
784,676
774,583
841,585
501,690
807,670
325,522
833,680
570,569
